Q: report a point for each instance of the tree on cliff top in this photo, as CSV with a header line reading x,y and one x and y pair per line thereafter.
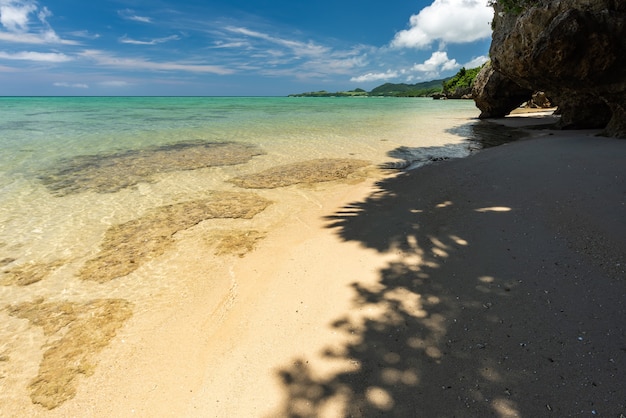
x,y
461,82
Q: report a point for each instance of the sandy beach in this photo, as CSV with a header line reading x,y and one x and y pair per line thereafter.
x,y
492,285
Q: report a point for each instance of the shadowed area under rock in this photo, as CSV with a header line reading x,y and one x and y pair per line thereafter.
x,y
127,246
113,172
76,332
312,171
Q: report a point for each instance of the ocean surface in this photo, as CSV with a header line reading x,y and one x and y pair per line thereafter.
x,y
99,194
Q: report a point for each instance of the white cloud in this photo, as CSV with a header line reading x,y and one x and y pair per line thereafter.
x,y
476,62
85,34
297,47
106,60
115,83
129,14
437,62
448,21
375,77
156,41
234,44
15,17
53,57
14,14
72,85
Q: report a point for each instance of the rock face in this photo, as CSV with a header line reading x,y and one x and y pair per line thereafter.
x,y
574,50
496,95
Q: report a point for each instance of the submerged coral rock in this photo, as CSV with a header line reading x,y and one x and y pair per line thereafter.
x,y
312,171
28,274
77,333
126,246
111,173
237,242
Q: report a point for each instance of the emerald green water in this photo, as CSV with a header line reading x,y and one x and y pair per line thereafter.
x,y
49,146
71,165
132,198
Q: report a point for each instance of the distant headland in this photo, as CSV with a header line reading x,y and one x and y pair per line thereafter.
x,y
456,87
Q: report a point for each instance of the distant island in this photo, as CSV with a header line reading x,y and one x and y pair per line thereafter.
x,y
457,87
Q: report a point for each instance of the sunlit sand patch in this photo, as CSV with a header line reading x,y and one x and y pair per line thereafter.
x,y
126,246
76,334
28,274
493,209
237,242
113,172
312,171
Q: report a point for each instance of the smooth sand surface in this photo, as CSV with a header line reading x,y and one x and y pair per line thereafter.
x,y
493,285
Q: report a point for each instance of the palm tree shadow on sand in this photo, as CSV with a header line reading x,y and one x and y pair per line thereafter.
x,y
463,323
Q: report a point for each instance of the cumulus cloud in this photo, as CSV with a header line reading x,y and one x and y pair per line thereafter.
x,y
476,62
448,21
437,62
375,77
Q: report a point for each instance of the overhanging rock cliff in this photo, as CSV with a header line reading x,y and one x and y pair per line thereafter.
x,y
574,50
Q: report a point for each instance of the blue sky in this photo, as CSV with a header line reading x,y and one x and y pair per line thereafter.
x,y
234,47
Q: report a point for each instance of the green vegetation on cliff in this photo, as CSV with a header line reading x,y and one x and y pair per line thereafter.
x,y
461,82
424,89
514,6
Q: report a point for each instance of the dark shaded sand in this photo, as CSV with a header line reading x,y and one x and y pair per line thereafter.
x,y
311,171
108,173
127,246
516,303
76,333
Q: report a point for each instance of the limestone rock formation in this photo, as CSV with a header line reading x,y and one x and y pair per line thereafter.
x,y
575,50
497,95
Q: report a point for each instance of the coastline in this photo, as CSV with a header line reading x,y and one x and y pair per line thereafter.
x,y
488,285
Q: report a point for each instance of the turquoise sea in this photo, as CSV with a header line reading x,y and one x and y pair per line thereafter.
x,y
47,145
120,200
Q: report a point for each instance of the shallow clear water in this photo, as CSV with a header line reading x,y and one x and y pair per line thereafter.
x,y
70,167
98,195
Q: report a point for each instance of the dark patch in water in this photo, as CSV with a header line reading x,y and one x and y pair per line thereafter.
x,y
312,171
110,173
27,274
127,246
76,333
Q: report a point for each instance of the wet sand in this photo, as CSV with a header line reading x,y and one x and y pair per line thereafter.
x,y
487,286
